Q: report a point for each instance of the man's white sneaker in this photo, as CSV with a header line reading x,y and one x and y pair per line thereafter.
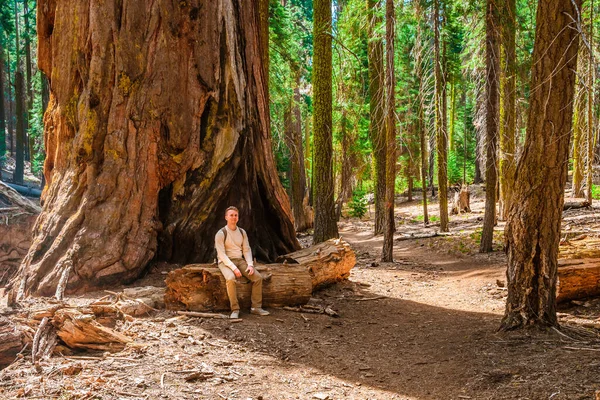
x,y
234,315
259,311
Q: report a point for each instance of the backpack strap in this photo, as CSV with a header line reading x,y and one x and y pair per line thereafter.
x,y
224,230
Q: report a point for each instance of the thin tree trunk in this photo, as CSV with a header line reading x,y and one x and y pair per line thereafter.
x,y
348,160
452,114
440,123
508,105
2,113
160,125
293,129
533,227
590,114
579,117
11,126
390,118
492,123
19,162
325,222
420,124
31,139
376,106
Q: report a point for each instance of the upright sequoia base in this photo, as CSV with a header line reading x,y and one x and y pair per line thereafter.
x,y
201,287
158,120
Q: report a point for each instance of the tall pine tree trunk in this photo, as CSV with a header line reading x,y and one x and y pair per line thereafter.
x,y
159,126
348,163
2,113
492,123
420,124
440,121
579,118
533,227
20,131
508,105
376,106
303,217
325,221
590,113
390,122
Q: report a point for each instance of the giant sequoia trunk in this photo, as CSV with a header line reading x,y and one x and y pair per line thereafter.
x,y
533,227
157,122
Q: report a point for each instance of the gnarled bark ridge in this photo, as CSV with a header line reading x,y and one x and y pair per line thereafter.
x,y
158,120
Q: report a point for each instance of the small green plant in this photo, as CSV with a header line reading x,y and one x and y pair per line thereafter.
x,y
596,192
432,218
358,204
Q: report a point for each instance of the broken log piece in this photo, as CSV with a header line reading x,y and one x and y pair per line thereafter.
x,y
578,279
82,331
11,342
574,205
201,287
327,263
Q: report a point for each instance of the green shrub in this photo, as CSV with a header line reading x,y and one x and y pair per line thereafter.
x,y
596,192
358,204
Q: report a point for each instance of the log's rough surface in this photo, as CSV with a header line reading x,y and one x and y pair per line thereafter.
x,y
578,280
201,287
10,342
327,263
578,269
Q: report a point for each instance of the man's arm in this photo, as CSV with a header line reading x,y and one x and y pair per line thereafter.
x,y
221,255
247,250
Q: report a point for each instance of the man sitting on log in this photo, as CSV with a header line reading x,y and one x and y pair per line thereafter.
x,y
235,260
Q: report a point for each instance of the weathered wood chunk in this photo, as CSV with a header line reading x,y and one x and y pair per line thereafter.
x,y
82,331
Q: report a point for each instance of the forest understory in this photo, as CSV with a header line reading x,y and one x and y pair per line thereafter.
x,y
422,327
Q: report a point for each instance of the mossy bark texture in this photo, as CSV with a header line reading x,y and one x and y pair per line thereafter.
x,y
158,120
533,227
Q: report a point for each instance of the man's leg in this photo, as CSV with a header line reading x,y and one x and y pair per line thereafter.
x,y
256,280
231,289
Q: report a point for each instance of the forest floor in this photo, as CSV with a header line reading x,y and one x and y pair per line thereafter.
x,y
422,327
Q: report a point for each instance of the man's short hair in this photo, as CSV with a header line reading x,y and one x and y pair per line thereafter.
x,y
231,208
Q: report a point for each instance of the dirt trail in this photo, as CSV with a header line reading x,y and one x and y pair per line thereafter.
x,y
423,327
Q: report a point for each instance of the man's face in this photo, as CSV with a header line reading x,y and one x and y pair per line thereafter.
x,y
231,217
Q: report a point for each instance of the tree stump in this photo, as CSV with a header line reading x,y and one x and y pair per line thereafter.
x,y
462,201
201,287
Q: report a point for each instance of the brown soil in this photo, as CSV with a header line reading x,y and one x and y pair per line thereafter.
x,y
423,327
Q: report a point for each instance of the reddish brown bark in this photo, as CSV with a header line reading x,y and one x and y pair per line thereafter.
x,y
158,120
533,226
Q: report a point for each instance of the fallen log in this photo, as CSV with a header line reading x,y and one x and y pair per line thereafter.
x,y
327,263
11,342
574,205
578,279
578,268
201,287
